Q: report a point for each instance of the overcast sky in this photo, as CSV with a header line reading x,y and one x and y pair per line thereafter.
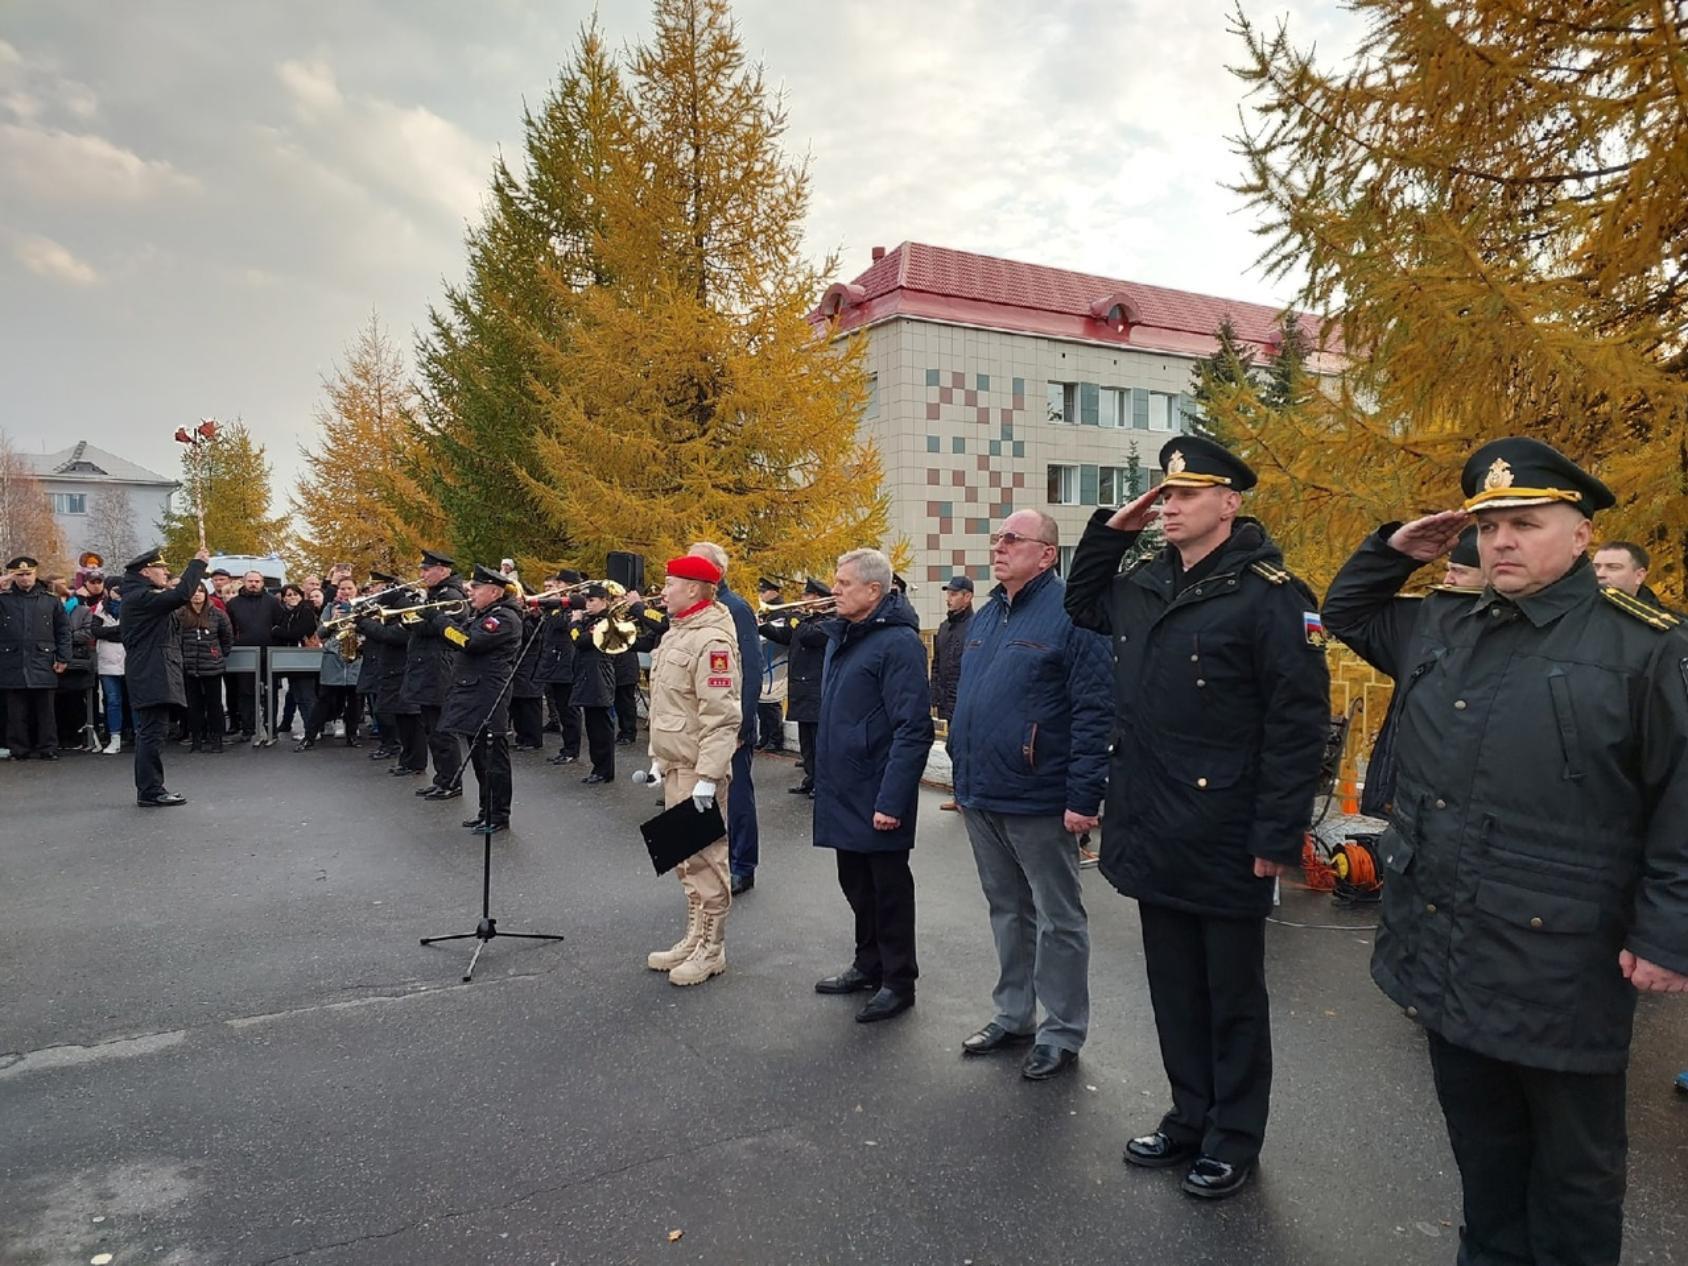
x,y
201,202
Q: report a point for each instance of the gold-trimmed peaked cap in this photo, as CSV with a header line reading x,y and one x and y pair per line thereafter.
x,y
154,557
1520,471
1193,461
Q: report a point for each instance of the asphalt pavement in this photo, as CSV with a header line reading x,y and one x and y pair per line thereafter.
x,y
220,1042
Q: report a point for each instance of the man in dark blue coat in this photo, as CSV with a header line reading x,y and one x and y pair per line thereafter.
x,y
873,741
1028,744
743,836
153,664
1222,699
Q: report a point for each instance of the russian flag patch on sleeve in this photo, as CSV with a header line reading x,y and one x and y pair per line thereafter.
x,y
1313,625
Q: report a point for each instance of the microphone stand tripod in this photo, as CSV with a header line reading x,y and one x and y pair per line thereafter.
x,y
487,928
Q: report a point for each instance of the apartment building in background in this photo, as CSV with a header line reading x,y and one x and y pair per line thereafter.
x,y
997,385
102,501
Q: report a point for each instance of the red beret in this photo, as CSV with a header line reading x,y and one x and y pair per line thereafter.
x,y
692,567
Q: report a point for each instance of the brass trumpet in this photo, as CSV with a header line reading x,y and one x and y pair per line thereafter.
x,y
449,606
808,606
616,632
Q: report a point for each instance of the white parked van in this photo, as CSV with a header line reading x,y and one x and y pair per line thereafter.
x,y
273,570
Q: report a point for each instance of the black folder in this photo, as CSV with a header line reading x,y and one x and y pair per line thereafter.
x,y
676,834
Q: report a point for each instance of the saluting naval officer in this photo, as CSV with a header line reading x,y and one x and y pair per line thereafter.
x,y
1221,714
696,711
487,638
1536,869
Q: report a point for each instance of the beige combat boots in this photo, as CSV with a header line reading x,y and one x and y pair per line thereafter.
x,y
710,956
681,950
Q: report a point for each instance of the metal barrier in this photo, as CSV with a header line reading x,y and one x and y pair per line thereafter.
x,y
290,660
250,660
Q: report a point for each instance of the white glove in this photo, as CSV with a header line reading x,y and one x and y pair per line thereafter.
x,y
653,774
703,795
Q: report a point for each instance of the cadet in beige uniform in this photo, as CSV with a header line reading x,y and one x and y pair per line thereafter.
x,y
695,714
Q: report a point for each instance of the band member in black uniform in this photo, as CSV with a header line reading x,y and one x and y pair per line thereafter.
x,y
594,687
153,664
804,639
527,694
488,640
427,661
556,663
1222,706
388,641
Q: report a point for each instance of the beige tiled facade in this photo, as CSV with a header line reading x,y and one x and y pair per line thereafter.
x,y
980,398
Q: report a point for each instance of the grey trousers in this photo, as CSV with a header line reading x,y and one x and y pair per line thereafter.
x,y
1028,867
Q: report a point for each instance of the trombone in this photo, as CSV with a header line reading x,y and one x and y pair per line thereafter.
x,y
410,614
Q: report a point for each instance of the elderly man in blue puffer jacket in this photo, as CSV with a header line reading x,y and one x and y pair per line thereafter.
x,y
1029,748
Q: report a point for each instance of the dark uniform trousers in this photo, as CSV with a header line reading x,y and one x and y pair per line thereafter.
x,y
806,731
1207,981
490,756
27,710
447,755
1541,1158
770,727
568,717
600,740
150,725
527,719
627,711
880,890
412,740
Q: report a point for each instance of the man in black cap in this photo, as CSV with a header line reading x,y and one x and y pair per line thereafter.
x,y
947,644
1222,706
152,665
488,640
593,691
556,662
386,646
770,703
805,641
426,675
34,650
1536,871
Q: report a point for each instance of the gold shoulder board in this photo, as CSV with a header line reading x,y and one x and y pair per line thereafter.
x,y
1652,617
1466,590
1271,571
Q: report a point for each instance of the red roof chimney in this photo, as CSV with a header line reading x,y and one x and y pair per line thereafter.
x,y
878,253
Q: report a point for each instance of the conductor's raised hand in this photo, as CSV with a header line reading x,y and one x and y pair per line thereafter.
x,y
1429,537
1138,514
203,554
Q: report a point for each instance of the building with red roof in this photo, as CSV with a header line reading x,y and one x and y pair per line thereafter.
x,y
998,385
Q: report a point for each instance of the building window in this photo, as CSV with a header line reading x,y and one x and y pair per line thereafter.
x,y
1116,406
1063,559
1115,486
872,410
1063,485
70,503
1063,402
1163,411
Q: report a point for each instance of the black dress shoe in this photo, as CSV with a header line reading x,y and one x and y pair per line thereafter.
x,y
352,742
399,771
742,884
847,981
46,756
801,789
883,1005
1157,1151
562,758
478,826
993,1037
442,793
304,745
163,800
592,780
384,753
1211,1179
1046,1061
472,824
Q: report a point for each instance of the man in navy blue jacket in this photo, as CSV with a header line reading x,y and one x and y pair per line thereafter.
x,y
743,836
874,738
1029,748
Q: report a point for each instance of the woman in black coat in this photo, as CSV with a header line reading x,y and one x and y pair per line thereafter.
x,y
296,626
207,637
594,689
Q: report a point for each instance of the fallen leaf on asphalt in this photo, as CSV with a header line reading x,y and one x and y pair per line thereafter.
x,y
99,1259
1331,1014
674,1236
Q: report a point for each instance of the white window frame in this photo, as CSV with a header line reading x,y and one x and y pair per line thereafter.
x,y
1067,491
69,502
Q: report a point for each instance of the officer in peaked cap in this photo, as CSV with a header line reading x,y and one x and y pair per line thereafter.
x,y
1464,571
153,663
427,676
805,645
487,639
1222,699
1536,876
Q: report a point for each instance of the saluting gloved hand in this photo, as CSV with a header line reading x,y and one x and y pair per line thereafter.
x,y
703,795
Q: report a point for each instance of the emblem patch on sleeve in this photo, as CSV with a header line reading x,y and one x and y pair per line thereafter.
x,y
719,662
721,683
490,624
1313,625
